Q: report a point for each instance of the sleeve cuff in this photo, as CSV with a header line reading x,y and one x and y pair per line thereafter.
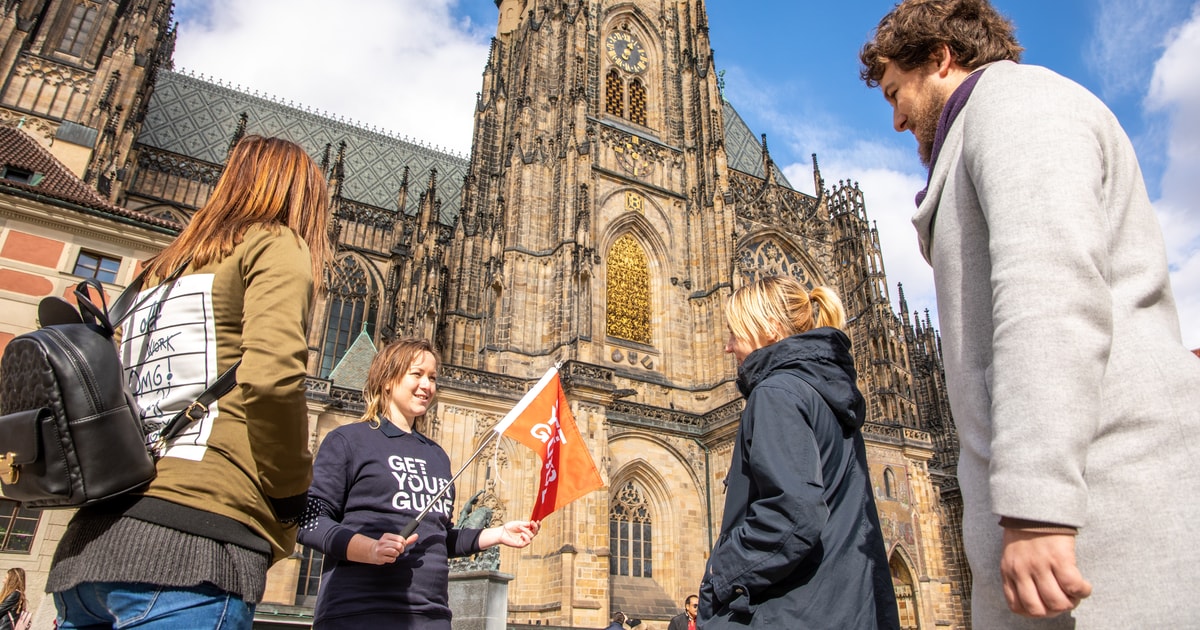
x,y
289,509
1037,527
339,543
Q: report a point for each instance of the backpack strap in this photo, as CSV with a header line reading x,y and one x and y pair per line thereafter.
x,y
109,318
122,307
199,407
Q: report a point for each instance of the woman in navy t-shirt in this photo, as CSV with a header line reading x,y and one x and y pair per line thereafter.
x,y
371,478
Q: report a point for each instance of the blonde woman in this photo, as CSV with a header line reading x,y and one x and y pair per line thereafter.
x,y
12,598
370,479
800,543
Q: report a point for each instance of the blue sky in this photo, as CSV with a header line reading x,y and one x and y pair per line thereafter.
x,y
413,67
802,64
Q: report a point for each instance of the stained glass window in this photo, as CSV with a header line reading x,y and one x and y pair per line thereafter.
x,y
614,94
637,102
628,291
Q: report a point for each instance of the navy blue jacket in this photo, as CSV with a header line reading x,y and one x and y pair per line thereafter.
x,y
372,482
800,543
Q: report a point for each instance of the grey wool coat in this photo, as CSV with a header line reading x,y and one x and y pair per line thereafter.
x,y
1075,399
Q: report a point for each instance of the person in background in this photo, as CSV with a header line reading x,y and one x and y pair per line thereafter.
x,y
800,543
373,477
686,620
12,598
620,621
1076,403
193,549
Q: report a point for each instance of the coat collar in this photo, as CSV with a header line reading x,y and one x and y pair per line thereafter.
x,y
930,197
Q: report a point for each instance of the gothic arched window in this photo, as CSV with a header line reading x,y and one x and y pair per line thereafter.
x,y
629,534
637,102
767,258
80,28
628,296
614,94
889,483
353,301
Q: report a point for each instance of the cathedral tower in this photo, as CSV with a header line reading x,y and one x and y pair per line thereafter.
x,y
79,74
595,229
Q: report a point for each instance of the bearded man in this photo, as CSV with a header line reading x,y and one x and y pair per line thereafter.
x,y
1076,403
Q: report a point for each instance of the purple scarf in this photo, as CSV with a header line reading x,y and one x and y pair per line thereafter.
x,y
950,111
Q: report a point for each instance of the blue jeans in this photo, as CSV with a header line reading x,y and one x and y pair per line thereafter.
x,y
127,605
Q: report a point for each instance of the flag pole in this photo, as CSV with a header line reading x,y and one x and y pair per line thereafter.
x,y
412,525
496,431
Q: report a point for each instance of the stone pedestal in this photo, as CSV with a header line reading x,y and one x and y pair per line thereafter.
x,y
479,600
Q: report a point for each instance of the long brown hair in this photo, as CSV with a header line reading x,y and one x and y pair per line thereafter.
x,y
775,307
15,581
912,34
268,181
388,367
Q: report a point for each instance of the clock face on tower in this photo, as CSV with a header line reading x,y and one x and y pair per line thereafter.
x,y
625,52
629,156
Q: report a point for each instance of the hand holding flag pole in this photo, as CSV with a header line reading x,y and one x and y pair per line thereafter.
x,y
542,421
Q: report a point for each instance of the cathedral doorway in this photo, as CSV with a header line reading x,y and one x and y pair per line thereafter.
x,y
906,600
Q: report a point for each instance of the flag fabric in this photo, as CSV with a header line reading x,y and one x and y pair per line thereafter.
x,y
542,421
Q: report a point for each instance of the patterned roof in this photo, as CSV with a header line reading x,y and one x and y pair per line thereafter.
x,y
19,150
197,119
351,371
743,150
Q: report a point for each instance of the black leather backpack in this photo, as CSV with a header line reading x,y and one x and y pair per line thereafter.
x,y
71,434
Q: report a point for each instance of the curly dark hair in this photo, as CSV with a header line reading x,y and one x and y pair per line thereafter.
x,y
912,34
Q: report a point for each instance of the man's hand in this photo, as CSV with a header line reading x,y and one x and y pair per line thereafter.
x,y
1040,575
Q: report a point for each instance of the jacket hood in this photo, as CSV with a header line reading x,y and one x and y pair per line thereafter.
x,y
822,358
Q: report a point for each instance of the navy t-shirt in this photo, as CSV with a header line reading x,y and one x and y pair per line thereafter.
x,y
371,482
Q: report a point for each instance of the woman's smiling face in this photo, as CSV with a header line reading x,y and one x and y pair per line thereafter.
x,y
412,394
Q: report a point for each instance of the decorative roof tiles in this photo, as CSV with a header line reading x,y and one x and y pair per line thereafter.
x,y
743,152
197,119
20,151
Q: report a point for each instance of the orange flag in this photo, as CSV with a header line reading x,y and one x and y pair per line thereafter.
x,y
542,421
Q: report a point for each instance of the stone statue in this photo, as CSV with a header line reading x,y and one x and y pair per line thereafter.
x,y
476,515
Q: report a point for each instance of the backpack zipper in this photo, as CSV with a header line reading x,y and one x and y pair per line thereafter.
x,y
80,365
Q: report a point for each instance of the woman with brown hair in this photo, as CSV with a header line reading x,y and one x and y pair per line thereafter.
x,y
370,479
12,598
800,543
192,549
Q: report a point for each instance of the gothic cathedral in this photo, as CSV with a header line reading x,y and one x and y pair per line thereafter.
x,y
612,201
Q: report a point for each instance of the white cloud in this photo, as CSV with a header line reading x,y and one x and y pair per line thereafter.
x,y
407,66
1175,89
847,153
889,196
1124,41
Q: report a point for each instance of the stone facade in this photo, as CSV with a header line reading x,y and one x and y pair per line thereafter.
x,y
613,201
